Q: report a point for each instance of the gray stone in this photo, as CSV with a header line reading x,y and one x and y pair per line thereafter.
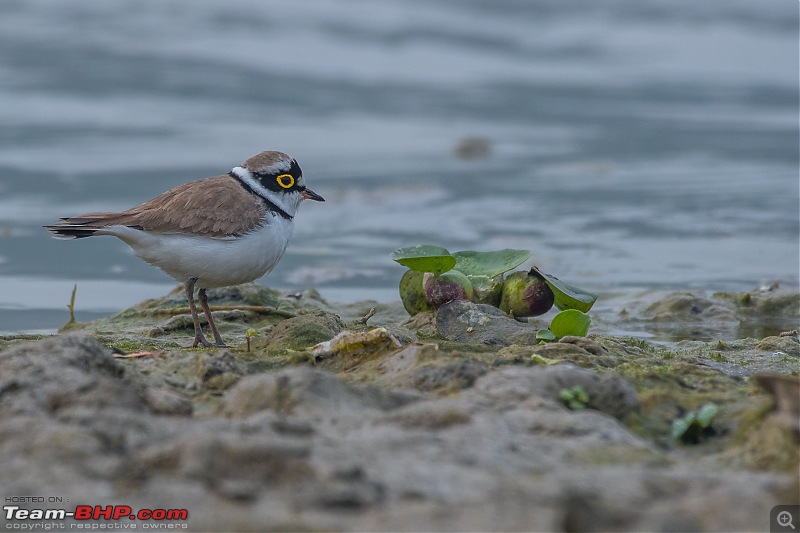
x,y
610,394
309,391
690,307
60,373
465,321
166,402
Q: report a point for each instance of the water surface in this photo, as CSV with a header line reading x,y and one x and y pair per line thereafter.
x,y
634,146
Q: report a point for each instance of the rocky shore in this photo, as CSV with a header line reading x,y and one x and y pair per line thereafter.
x,y
449,421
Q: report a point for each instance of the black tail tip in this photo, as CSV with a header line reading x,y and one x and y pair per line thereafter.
x,y
70,232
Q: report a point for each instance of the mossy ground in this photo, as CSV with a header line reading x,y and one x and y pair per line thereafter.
x,y
670,379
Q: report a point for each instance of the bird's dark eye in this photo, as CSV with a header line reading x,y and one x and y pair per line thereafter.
x,y
285,180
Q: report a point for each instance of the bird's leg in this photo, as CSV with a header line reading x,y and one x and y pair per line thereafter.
x,y
199,338
204,304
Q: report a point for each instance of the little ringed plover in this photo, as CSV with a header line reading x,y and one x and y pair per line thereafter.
x,y
214,232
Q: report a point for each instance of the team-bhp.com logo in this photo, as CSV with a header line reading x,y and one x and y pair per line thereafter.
x,y
95,512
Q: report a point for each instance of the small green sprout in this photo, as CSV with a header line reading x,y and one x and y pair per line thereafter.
x,y
574,397
695,425
249,334
71,307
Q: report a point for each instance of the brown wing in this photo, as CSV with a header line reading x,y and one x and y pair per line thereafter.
x,y
213,207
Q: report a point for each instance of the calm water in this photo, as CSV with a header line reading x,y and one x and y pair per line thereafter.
x,y
634,146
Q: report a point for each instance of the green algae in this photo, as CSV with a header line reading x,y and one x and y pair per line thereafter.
x,y
760,442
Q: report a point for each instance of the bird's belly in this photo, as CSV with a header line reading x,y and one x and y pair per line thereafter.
x,y
215,262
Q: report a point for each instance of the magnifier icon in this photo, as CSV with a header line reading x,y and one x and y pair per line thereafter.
x,y
785,519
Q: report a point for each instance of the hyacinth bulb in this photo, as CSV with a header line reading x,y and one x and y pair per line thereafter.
x,y
452,285
526,294
412,294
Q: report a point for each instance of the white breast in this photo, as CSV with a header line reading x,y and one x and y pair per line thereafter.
x,y
215,262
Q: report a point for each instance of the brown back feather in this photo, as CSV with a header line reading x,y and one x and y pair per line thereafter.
x,y
213,207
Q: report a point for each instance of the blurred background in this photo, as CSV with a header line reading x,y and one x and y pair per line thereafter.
x,y
631,145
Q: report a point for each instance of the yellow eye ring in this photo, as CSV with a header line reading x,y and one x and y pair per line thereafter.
x,y
285,180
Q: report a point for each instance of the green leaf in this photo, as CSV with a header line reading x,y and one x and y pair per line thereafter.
x,y
570,322
490,264
546,335
681,425
425,258
568,296
706,414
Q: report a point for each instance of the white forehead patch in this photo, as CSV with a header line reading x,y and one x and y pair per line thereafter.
x,y
283,165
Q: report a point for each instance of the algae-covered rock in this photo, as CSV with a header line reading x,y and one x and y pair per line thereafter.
x,y
357,343
577,353
218,371
768,434
351,348
302,331
424,324
785,393
684,315
789,345
587,344
609,394
769,304
689,307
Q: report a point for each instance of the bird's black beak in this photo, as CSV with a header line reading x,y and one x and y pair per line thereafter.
x,y
311,195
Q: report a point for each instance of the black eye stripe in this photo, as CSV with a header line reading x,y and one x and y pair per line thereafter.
x,y
268,180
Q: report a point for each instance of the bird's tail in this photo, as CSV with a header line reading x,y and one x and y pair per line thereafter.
x,y
71,231
80,226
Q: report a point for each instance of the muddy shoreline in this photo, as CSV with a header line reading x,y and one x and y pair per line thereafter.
x,y
448,422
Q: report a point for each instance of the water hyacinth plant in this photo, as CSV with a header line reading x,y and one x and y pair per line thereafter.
x,y
436,276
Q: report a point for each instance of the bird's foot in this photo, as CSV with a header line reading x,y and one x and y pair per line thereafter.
x,y
199,339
